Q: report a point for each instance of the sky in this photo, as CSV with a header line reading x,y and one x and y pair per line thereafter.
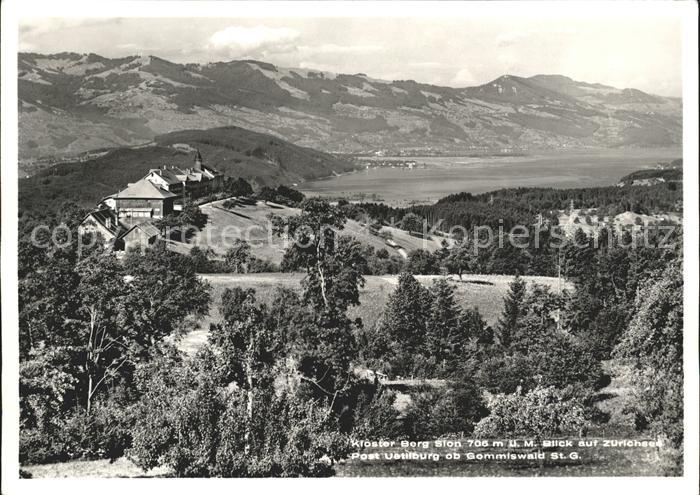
x,y
642,53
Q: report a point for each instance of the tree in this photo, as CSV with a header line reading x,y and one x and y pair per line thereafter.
x,y
86,324
189,218
163,289
101,290
508,257
294,196
238,186
45,382
513,310
168,223
199,428
124,310
412,223
200,259
579,256
245,342
403,324
475,327
238,256
375,415
538,350
237,409
421,262
334,266
282,194
192,215
653,346
533,320
461,258
47,298
445,339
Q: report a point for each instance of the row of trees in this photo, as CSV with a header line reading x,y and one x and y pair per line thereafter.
x,y
546,252
522,206
424,332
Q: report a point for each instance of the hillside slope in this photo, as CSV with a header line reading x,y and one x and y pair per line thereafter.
x,y
70,103
236,152
251,223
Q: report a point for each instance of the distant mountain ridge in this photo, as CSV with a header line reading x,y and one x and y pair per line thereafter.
x,y
70,103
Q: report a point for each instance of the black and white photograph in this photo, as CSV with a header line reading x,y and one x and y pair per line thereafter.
x,y
350,240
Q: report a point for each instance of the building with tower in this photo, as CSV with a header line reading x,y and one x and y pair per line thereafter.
x,y
163,191
159,193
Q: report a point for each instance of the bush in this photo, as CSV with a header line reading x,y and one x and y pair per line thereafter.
x,y
561,363
188,422
540,413
104,434
438,412
282,194
53,427
505,373
380,262
376,417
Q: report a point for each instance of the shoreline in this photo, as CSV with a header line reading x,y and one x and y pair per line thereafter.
x,y
449,175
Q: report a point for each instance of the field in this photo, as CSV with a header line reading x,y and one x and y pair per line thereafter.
x,y
486,292
447,175
251,223
103,468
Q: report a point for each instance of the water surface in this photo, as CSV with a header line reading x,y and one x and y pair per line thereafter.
x,y
447,175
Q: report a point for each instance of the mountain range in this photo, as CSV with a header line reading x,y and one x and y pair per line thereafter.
x,y
71,103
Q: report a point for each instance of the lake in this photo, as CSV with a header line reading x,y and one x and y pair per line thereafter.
x,y
446,175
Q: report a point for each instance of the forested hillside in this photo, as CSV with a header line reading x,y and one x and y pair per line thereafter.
x,y
259,158
521,206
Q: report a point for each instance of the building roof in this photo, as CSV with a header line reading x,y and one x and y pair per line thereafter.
x,y
147,228
107,219
168,176
174,175
143,189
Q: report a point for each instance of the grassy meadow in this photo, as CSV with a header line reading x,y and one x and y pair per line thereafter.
x,y
251,223
485,292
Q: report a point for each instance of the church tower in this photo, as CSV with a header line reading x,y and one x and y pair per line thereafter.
x,y
198,162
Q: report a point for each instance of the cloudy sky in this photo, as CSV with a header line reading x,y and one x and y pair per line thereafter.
x,y
643,53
